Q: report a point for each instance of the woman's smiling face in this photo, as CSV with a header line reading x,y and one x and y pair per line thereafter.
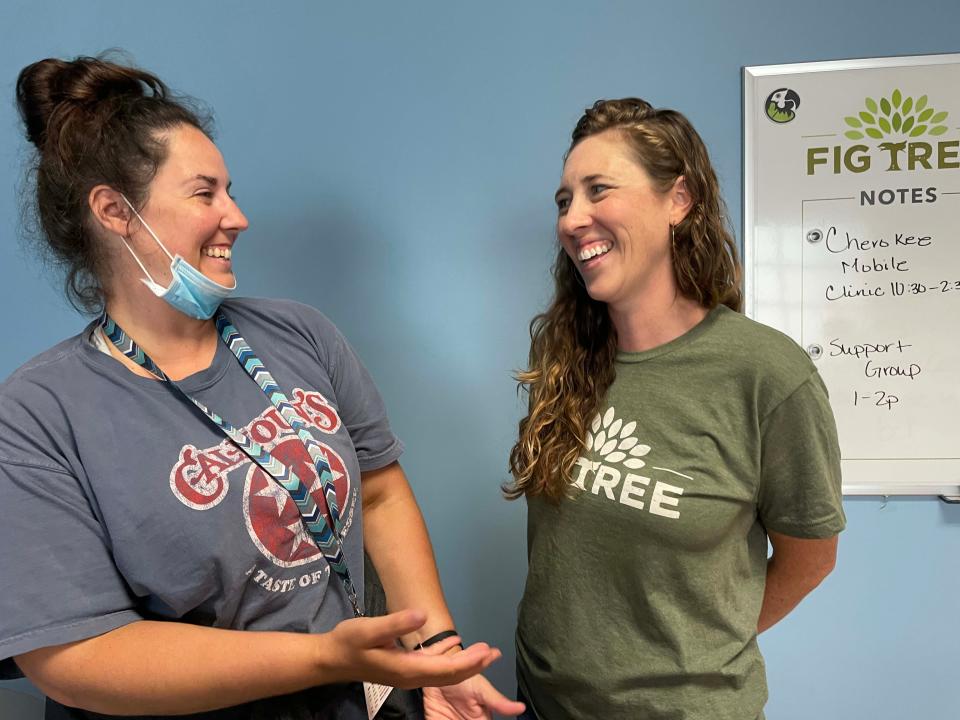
x,y
190,209
614,223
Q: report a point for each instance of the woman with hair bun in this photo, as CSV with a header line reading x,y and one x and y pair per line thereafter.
x,y
668,438
191,481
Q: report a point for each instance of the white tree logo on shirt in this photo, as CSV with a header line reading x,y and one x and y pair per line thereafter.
x,y
617,444
614,441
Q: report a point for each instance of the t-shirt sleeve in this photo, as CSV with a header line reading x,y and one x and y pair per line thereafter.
x,y
60,583
361,407
800,491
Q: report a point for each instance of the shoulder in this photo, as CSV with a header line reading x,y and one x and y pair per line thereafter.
x,y
32,402
276,309
49,367
768,359
768,343
285,322
278,312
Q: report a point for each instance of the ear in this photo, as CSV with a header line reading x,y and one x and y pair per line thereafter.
x,y
680,199
109,210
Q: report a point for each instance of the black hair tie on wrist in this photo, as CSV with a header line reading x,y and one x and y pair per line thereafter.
x,y
434,639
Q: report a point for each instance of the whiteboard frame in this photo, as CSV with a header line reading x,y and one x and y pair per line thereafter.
x,y
946,490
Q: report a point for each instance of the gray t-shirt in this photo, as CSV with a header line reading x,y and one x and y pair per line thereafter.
x,y
120,502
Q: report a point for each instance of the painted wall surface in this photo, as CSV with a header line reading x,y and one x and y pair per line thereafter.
x,y
397,162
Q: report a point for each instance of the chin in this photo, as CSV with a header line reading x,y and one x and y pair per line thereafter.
x,y
226,279
598,292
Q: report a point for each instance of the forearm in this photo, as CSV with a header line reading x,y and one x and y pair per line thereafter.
x,y
395,537
168,668
796,567
781,595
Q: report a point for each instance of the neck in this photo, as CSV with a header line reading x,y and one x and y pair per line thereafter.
x,y
647,325
179,344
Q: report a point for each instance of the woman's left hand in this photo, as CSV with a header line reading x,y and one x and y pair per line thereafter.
x,y
473,699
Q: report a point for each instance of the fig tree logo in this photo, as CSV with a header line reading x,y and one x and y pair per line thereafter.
x,y
896,116
908,131
782,104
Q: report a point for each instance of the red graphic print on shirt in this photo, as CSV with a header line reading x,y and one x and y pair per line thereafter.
x,y
201,479
272,517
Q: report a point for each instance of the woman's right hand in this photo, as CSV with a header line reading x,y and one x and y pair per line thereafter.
x,y
366,649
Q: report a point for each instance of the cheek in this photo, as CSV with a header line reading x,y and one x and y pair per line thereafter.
x,y
649,237
203,226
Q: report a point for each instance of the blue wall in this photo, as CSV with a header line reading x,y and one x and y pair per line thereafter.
x,y
397,162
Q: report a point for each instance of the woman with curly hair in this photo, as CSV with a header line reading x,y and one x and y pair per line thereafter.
x,y
668,439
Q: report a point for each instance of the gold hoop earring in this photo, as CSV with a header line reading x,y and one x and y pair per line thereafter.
x,y
673,239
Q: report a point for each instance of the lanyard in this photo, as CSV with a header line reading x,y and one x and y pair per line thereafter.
x,y
325,532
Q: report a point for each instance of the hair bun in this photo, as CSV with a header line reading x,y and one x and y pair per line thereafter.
x,y
49,86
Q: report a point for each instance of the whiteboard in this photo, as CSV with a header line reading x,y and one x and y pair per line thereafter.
x,y
852,247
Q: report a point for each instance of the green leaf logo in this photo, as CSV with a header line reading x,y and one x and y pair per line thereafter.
x,y
896,115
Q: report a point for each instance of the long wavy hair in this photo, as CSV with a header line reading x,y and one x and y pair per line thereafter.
x,y
573,344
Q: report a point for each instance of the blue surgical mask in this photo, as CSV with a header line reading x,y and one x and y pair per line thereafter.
x,y
190,291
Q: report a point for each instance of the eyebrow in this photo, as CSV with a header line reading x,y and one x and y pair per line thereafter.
x,y
209,179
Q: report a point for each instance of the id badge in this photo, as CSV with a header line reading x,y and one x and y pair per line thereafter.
x,y
376,696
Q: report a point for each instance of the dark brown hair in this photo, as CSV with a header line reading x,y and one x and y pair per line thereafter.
x,y
92,122
573,345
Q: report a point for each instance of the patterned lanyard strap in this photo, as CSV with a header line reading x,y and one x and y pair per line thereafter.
x,y
326,534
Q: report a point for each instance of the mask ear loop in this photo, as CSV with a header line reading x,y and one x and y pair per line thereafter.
x,y
148,229
130,250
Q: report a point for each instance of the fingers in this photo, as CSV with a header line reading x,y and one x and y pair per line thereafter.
x,y
371,632
502,705
419,670
369,652
493,700
475,698
439,648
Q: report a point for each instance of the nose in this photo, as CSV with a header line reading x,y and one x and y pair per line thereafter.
x,y
233,218
576,217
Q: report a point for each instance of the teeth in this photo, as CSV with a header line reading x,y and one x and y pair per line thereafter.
x,y
218,252
594,251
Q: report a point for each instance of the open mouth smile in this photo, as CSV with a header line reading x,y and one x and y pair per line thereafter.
x,y
593,251
218,252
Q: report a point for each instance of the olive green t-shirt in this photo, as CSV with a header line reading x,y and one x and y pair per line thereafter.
x,y
645,586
